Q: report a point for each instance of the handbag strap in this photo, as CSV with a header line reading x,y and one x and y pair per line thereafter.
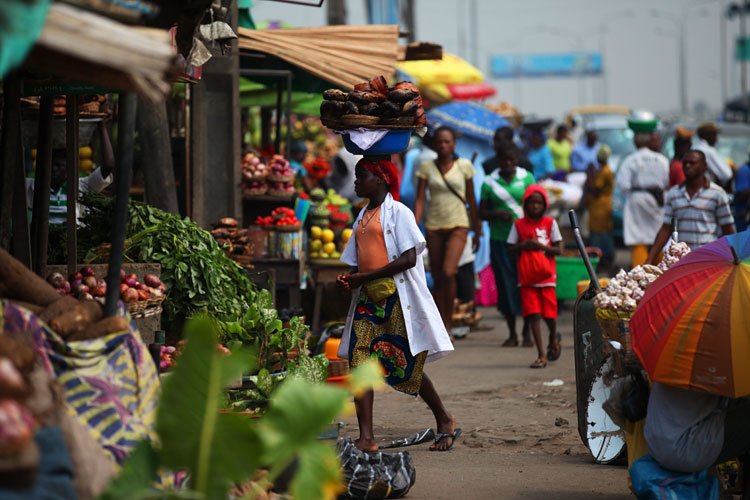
x,y
450,188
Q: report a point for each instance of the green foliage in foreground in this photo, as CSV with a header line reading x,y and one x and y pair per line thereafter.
x,y
220,448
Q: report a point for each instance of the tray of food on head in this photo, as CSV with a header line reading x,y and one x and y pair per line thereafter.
x,y
374,105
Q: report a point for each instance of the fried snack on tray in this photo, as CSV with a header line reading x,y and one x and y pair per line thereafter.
x,y
335,95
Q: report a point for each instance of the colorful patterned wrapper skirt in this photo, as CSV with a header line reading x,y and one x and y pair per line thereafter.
x,y
379,331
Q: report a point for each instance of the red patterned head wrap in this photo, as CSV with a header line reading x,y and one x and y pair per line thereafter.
x,y
386,171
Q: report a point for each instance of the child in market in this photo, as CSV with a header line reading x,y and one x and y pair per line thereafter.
x,y
536,239
392,316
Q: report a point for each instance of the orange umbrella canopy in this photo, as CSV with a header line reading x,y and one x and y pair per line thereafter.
x,y
692,328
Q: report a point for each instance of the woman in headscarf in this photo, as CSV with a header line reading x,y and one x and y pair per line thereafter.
x,y
392,316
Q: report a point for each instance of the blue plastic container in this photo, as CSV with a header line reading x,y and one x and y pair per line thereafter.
x,y
394,142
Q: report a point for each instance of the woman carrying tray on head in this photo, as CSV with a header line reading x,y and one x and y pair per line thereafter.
x,y
447,223
392,315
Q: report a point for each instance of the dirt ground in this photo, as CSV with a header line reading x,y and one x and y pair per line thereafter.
x,y
520,437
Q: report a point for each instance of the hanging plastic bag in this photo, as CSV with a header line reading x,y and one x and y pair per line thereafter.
x,y
375,475
653,482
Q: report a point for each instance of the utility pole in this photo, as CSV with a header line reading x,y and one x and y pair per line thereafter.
x,y
407,16
336,11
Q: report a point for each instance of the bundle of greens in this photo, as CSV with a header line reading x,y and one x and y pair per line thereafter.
x,y
197,272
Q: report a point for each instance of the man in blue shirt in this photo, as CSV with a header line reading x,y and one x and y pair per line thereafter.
x,y
584,153
741,196
540,157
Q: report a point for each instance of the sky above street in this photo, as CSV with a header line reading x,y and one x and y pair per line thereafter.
x,y
639,40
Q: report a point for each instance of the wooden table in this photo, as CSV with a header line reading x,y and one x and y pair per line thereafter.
x,y
287,273
323,271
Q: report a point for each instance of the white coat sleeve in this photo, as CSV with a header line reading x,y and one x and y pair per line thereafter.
x,y
408,235
718,166
624,181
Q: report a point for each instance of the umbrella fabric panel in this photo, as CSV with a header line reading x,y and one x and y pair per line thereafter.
x,y
692,328
467,118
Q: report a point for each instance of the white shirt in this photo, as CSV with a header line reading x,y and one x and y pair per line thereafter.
x,y
642,218
424,327
719,170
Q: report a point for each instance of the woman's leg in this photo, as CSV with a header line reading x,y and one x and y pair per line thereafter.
x,y
454,247
363,405
446,424
436,243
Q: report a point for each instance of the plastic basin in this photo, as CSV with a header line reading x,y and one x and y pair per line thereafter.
x,y
394,142
571,270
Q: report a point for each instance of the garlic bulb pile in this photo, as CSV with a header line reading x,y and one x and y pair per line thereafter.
x,y
625,290
674,253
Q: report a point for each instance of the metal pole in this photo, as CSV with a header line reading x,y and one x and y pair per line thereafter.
x,y
277,139
288,115
71,164
683,64
743,62
123,171
723,52
474,32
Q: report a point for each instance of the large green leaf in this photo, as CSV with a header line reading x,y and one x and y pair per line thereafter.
x,y
318,475
193,433
297,412
136,476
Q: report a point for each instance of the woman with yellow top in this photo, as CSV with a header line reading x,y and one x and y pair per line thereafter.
x,y
600,184
447,223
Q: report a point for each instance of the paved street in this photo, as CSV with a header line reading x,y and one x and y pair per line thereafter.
x,y
510,446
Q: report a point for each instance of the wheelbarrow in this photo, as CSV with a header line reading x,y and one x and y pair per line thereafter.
x,y
594,367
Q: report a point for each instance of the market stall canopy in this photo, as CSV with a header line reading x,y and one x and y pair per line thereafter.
x,y
467,118
21,25
257,94
82,46
447,79
341,55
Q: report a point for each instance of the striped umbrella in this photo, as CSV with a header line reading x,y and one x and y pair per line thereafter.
x,y
692,328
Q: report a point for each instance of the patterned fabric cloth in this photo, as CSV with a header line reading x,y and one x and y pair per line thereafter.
x,y
699,219
111,385
379,330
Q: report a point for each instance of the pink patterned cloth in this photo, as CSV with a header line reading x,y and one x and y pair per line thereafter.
x,y
486,295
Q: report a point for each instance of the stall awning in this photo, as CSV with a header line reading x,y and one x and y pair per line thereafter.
x,y
341,55
87,47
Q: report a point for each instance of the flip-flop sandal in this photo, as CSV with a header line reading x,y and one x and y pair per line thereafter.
x,y
528,343
441,435
553,352
511,343
539,363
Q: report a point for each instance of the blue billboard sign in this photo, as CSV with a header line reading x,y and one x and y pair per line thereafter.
x,y
546,65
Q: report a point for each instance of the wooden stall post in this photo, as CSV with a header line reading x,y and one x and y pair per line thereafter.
x,y
71,156
12,155
42,181
123,172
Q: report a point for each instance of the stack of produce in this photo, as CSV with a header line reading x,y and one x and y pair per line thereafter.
x,y
17,423
84,285
68,317
373,103
280,177
234,241
625,290
674,253
280,217
85,159
254,173
323,244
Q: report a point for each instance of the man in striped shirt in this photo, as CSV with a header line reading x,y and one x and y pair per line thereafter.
x,y
700,208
